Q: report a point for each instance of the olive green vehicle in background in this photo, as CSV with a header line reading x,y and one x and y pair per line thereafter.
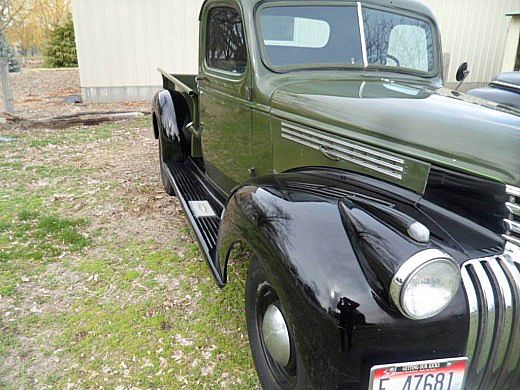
x,y
383,209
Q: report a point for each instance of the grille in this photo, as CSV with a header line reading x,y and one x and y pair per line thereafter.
x,y
492,288
513,222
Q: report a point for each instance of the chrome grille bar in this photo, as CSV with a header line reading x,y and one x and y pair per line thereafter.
x,y
492,288
513,208
512,240
513,359
471,295
487,324
513,191
513,226
504,322
512,223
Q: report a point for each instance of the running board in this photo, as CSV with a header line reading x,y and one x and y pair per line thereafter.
x,y
202,207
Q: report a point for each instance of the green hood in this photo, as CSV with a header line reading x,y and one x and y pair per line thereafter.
x,y
443,127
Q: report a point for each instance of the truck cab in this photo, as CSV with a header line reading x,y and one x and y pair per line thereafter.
x,y
382,209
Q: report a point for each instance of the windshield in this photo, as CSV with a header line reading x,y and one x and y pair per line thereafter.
x,y
331,36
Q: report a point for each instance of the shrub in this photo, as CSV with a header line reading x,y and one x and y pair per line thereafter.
x,y
6,51
61,49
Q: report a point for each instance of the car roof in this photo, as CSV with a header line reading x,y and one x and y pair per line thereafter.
x,y
417,6
511,78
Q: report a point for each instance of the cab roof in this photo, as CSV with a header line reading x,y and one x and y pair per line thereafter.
x,y
417,6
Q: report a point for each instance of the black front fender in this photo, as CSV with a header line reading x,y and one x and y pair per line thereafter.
x,y
321,253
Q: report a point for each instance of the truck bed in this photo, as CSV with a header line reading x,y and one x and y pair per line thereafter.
x,y
186,83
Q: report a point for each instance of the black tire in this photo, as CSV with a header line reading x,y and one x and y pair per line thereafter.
x,y
167,184
173,151
260,294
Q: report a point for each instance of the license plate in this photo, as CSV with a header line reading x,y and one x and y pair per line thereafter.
x,y
444,374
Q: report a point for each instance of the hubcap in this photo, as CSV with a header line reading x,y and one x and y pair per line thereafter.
x,y
276,335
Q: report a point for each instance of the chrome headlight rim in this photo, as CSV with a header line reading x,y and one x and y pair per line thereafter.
x,y
410,268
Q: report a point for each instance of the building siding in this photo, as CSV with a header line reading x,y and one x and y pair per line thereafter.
x,y
121,43
474,31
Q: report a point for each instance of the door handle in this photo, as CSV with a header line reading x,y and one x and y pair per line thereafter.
x,y
196,132
325,151
200,79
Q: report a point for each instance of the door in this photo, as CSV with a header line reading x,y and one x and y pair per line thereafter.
x,y
224,89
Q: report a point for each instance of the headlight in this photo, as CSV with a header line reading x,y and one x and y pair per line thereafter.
x,y
425,284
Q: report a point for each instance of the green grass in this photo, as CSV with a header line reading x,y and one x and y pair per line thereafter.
x,y
144,336
89,308
30,239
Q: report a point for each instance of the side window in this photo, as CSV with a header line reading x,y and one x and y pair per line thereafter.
x,y
225,41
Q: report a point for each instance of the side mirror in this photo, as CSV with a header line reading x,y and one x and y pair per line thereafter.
x,y
462,73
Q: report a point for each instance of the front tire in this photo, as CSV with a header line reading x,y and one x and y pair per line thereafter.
x,y
278,364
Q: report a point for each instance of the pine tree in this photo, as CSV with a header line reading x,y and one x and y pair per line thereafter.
x,y
7,52
61,49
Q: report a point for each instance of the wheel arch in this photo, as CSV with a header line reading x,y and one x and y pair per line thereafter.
x,y
171,114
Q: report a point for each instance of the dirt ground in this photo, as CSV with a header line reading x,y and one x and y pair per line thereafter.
x,y
40,93
102,284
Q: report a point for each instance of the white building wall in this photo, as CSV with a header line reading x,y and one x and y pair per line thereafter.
x,y
474,31
121,43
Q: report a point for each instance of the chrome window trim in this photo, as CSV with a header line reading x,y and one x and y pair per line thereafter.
x,y
505,85
362,34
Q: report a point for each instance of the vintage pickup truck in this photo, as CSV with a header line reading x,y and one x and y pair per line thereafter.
x,y
382,209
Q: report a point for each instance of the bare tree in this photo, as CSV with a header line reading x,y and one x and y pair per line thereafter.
x,y
10,12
